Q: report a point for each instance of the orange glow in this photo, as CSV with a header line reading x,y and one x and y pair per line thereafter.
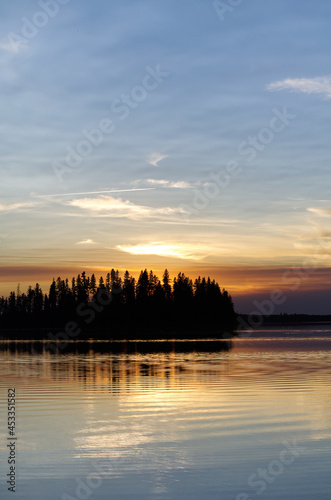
x,y
239,280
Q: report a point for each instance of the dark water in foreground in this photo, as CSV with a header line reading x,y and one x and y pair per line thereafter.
x,y
171,421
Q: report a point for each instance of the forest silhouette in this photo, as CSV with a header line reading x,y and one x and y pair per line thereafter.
x,y
119,306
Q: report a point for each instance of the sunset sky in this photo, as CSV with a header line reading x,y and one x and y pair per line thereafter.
x,y
191,135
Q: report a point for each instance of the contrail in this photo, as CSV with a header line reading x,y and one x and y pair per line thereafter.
x,y
92,192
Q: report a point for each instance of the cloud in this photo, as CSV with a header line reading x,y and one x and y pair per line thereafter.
x,y
171,184
116,207
180,251
16,206
155,158
156,182
86,242
322,212
321,85
90,192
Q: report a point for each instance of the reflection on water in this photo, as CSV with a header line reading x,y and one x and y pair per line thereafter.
x,y
171,419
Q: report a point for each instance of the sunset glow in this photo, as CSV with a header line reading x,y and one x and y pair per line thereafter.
x,y
209,155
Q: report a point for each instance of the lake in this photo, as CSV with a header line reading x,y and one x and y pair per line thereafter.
x,y
248,418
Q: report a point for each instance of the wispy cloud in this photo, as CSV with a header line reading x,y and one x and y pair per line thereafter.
x,y
171,184
180,251
155,158
116,207
320,85
86,242
154,182
10,207
322,212
91,192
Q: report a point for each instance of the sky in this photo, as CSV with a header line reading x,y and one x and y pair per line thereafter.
x,y
189,135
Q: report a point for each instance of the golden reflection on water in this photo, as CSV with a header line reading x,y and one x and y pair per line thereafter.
x,y
119,403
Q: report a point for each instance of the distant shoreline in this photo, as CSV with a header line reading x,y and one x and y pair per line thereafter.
x,y
287,320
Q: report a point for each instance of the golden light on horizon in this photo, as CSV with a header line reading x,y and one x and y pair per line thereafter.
x,y
181,251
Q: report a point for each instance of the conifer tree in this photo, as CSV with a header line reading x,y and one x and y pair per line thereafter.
x,y
166,284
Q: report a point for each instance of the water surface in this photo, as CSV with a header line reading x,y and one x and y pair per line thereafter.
x,y
242,419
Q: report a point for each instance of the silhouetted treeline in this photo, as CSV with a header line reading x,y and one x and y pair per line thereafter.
x,y
122,304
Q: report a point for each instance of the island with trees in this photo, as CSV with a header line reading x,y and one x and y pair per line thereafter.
x,y
115,307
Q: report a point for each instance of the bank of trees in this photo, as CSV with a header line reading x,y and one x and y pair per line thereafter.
x,y
121,303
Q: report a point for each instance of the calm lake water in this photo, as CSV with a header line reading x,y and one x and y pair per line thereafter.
x,y
243,419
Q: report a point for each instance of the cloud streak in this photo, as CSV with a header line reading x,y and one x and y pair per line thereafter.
x,y
11,207
321,212
116,207
320,85
91,192
179,251
86,242
171,184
